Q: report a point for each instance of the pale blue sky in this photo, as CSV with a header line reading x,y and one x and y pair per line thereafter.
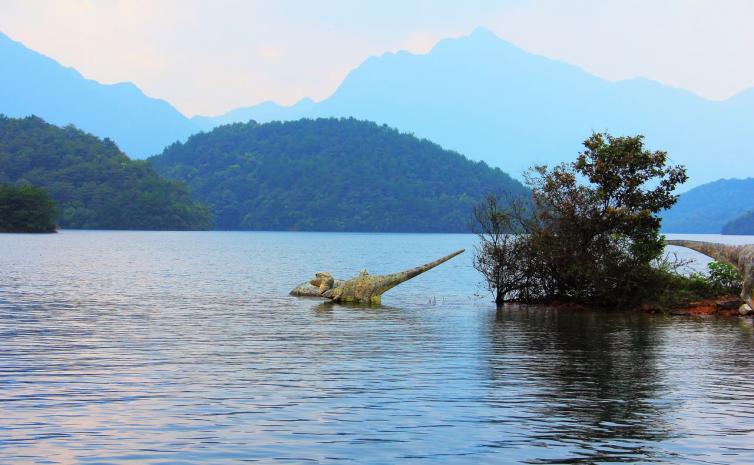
x,y
209,56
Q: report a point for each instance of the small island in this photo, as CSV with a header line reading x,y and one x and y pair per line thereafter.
x,y
591,236
26,209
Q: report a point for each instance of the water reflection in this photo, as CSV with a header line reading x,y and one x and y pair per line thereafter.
x,y
138,351
594,378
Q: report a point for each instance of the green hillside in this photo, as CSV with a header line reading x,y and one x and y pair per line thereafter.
x,y
330,175
26,209
743,225
705,209
94,184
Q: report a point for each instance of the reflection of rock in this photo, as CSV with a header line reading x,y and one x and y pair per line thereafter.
x,y
365,288
323,308
745,309
740,256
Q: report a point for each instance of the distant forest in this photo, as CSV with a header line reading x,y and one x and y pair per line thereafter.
x,y
330,175
743,225
709,207
95,185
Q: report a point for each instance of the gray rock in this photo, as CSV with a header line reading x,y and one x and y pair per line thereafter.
x,y
745,309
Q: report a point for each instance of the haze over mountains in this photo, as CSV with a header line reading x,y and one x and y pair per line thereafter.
x,y
492,101
33,84
478,95
710,207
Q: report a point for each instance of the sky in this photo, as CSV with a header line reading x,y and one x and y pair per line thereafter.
x,y
210,56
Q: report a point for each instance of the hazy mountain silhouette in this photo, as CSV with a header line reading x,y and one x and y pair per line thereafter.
x,y
707,208
478,95
742,225
492,101
265,111
33,84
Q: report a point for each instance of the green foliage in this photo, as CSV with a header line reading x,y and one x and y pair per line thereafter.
x,y
26,209
743,225
724,278
595,231
94,183
330,175
671,289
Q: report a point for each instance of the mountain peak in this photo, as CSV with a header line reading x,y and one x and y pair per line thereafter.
x,y
480,41
32,83
481,32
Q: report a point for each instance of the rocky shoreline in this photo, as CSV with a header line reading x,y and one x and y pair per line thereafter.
x,y
728,306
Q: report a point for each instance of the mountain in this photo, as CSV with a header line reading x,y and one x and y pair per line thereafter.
x,y
95,185
265,111
32,84
491,101
707,208
330,175
742,225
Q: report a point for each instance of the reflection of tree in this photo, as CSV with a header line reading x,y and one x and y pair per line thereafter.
x,y
591,380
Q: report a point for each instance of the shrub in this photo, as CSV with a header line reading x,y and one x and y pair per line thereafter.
x,y
724,278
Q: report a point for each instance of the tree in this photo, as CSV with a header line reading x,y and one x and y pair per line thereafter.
x,y
26,209
499,255
594,230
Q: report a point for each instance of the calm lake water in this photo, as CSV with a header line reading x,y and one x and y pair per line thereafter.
x,y
184,348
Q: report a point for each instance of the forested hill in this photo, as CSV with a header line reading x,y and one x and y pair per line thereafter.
x,y
330,175
744,224
707,208
95,185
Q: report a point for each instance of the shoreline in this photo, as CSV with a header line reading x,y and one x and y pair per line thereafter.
x,y
723,306
726,306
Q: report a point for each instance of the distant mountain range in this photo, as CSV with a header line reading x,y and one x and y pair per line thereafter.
x,y
492,101
710,207
478,95
32,84
331,175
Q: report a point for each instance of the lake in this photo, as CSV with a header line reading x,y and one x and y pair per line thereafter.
x,y
184,348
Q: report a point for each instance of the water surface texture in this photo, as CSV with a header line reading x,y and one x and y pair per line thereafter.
x,y
184,348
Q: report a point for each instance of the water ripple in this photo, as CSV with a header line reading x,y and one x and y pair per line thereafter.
x,y
167,348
